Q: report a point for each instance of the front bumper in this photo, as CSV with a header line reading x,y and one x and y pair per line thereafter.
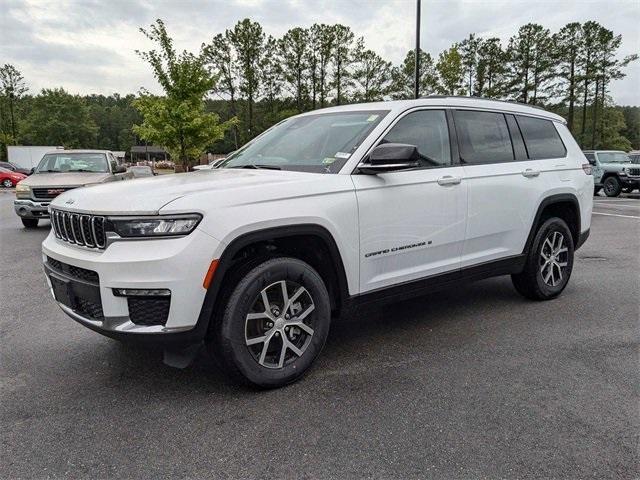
x,y
630,182
27,208
175,264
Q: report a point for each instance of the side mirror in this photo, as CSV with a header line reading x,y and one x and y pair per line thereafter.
x,y
120,169
33,169
389,157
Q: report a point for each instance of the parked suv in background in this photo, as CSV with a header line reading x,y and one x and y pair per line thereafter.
x,y
321,214
59,171
613,171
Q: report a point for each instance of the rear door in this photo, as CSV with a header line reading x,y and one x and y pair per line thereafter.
x,y
412,222
504,186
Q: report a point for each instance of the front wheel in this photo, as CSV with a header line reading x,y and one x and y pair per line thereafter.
x,y
274,324
7,182
30,222
549,262
612,187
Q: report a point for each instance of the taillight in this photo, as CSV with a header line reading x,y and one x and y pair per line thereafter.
x,y
586,167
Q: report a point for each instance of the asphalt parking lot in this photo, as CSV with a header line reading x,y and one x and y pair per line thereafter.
x,y
470,383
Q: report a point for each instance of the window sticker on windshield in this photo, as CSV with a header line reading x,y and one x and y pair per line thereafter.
x,y
342,155
372,118
328,160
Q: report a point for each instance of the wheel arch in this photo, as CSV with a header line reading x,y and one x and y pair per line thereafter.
x,y
282,240
563,205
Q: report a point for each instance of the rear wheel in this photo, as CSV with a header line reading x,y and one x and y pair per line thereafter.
x,y
274,324
549,262
30,222
612,187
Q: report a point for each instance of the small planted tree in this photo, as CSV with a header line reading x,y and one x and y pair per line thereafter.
x,y
178,120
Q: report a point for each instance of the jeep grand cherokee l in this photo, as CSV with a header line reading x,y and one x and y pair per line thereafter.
x,y
322,213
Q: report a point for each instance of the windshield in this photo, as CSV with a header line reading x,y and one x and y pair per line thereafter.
x,y
313,143
73,162
635,157
613,157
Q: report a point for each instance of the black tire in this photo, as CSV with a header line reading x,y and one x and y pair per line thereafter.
x,y
596,190
230,334
7,182
531,283
612,187
30,222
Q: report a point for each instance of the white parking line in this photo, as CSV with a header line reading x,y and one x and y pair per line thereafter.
x,y
615,215
617,205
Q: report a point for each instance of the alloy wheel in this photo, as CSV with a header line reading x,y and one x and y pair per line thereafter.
x,y
279,326
554,258
7,183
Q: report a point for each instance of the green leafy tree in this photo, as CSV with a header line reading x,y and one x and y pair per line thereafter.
x,y
468,50
58,118
271,77
530,63
371,75
491,68
403,76
322,43
177,120
450,72
342,60
247,39
293,47
12,89
567,44
220,58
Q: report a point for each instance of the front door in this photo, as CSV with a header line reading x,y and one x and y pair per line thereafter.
x,y
412,222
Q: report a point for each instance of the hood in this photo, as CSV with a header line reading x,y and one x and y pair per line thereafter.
x,y
146,196
70,179
614,166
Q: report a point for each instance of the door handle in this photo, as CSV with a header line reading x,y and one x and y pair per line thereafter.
x,y
530,173
449,180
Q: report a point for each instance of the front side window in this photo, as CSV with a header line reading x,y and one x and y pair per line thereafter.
x,y
541,138
428,131
613,157
483,137
319,143
73,162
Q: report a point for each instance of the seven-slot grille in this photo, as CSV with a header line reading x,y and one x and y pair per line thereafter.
x,y
634,172
84,230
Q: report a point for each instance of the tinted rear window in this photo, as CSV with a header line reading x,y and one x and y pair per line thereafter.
x,y
483,137
541,138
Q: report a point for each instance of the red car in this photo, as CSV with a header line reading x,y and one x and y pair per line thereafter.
x,y
10,179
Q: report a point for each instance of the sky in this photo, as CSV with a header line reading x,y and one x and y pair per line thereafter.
x,y
88,46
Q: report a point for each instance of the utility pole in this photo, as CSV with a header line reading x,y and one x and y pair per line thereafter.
x,y
417,51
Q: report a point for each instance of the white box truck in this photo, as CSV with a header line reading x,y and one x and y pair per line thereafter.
x,y
28,157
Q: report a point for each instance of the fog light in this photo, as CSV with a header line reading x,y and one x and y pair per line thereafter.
x,y
139,292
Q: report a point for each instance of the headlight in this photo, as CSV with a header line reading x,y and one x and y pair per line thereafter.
x,y
169,226
23,191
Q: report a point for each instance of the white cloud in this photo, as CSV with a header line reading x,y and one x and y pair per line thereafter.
x,y
88,46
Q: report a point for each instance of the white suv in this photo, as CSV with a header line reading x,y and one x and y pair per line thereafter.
x,y
322,213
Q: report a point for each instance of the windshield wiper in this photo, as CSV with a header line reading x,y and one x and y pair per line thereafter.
x,y
258,166
49,171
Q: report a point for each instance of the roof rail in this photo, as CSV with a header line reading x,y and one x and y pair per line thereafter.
x,y
466,97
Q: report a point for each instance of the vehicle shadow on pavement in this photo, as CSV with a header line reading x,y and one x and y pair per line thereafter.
x,y
370,332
